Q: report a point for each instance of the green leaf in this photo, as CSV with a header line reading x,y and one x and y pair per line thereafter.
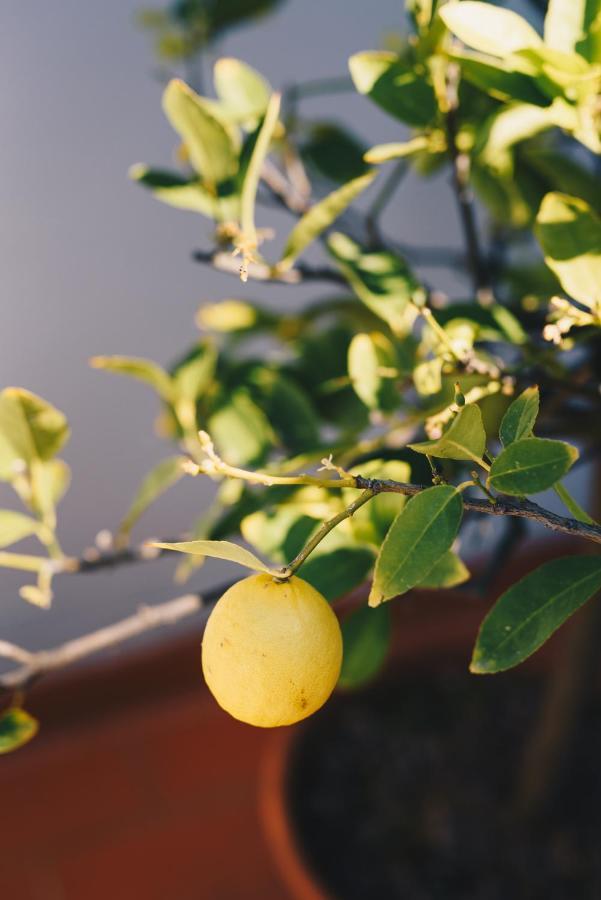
x,y
160,479
500,79
464,439
253,171
531,465
518,421
448,572
572,505
320,216
240,430
183,193
372,368
141,369
243,92
527,614
381,280
17,728
382,153
422,532
219,550
394,86
371,522
334,153
336,572
288,408
565,174
488,28
14,526
570,235
210,144
366,638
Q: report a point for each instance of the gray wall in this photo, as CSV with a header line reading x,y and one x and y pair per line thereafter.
x,y
91,264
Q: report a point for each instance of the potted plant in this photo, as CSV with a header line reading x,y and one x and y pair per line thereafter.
x,y
349,440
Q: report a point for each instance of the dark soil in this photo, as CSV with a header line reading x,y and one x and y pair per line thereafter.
x,y
405,790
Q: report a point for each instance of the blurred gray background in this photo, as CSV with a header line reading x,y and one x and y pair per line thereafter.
x,y
92,264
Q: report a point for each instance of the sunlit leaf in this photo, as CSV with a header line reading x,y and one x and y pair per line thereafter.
x,y
570,235
382,153
394,86
240,430
243,92
160,479
527,614
16,525
321,215
211,147
464,439
183,193
372,368
531,465
380,279
218,550
252,174
140,369
488,28
418,537
519,419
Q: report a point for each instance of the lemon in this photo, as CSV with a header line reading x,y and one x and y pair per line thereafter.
x,y
272,651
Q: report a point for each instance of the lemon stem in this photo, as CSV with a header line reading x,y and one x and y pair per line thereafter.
x,y
321,533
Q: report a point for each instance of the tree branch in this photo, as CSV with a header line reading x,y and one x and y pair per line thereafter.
x,y
524,509
147,618
225,262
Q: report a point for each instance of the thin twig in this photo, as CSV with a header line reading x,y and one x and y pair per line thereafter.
x,y
147,618
301,273
461,185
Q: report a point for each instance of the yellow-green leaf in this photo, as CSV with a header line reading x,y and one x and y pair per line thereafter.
x,y
14,526
160,479
464,439
519,419
210,144
141,369
321,216
219,550
570,235
243,92
17,728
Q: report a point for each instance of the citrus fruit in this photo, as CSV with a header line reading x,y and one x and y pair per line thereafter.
x,y
272,651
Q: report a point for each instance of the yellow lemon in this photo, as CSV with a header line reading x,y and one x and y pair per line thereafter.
x,y
272,651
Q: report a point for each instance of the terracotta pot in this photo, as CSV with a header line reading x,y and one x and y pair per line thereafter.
x,y
431,629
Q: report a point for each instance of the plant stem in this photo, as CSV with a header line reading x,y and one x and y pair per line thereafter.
x,y
460,163
324,530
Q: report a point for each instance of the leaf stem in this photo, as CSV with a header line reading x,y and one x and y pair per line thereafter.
x,y
324,530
